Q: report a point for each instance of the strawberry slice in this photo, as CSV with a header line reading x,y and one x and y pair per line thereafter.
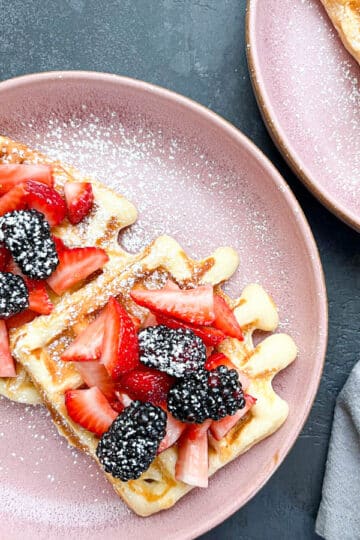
x,y
192,465
75,265
136,322
120,347
12,174
79,200
210,336
15,199
87,346
147,384
7,365
59,244
150,320
46,200
194,306
4,258
95,374
219,359
90,408
171,286
174,430
225,319
15,321
220,428
39,300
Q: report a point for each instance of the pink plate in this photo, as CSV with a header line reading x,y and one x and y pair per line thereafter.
x,y
194,176
308,89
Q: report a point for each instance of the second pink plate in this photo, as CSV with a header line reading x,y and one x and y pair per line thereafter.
x,y
308,89
194,176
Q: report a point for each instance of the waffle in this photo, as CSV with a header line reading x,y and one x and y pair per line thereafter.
x,y
38,346
110,213
345,16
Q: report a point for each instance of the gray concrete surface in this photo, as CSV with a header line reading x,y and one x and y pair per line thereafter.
x,y
196,47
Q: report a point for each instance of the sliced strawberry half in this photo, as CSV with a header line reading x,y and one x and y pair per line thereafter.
x,y
225,319
195,306
150,320
192,465
219,359
59,244
15,199
15,321
7,365
90,408
87,345
147,384
12,174
210,336
75,265
95,374
46,200
174,430
120,347
220,428
4,257
79,198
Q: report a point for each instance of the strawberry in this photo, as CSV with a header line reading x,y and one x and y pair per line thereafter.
x,y
210,336
79,200
219,428
174,429
39,300
15,199
20,318
124,399
46,200
219,359
225,319
193,461
120,348
95,374
4,257
147,384
87,346
90,408
59,244
7,365
194,306
171,286
136,322
13,174
75,265
149,321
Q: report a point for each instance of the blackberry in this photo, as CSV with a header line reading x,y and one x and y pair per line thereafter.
x,y
14,295
206,394
178,352
130,445
27,235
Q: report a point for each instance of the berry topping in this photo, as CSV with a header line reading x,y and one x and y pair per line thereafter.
x,y
210,336
219,359
128,448
195,306
79,200
12,174
75,265
15,321
225,319
87,345
174,429
120,348
206,394
14,296
27,236
220,428
39,300
7,366
59,244
147,384
192,465
46,200
95,374
178,352
15,199
4,257
90,409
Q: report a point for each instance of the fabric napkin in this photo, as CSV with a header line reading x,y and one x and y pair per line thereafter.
x,y
339,512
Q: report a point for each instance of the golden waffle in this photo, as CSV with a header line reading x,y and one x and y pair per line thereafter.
x,y
39,344
110,213
345,16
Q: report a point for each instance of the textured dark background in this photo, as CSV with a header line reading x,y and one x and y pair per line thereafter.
x,y
196,47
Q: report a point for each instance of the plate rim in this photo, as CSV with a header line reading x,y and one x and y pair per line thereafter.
x,y
319,280
274,129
